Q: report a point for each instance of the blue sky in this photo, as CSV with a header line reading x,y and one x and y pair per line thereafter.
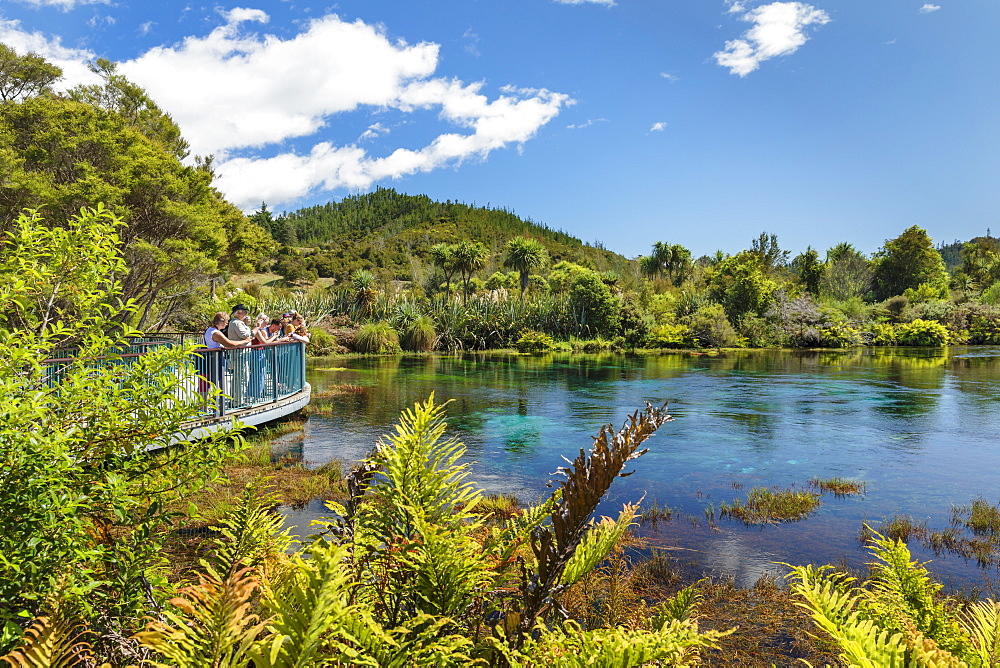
x,y
700,122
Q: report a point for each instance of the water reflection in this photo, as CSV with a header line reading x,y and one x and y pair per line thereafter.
x,y
919,427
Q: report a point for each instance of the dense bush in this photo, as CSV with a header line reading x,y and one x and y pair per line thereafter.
x,y
534,342
709,327
669,336
922,333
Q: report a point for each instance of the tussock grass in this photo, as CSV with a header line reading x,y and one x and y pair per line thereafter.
x,y
840,487
769,506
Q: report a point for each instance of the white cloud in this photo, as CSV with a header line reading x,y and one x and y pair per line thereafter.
x,y
586,124
234,93
242,96
72,61
658,126
670,77
928,8
778,30
608,3
146,27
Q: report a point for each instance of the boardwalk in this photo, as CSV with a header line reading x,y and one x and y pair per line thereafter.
x,y
258,383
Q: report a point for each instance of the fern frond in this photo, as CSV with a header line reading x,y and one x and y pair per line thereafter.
x,y
676,644
251,535
52,642
214,626
833,608
902,594
682,606
982,622
597,542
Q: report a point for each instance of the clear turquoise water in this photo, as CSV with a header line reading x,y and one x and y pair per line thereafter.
x,y
921,428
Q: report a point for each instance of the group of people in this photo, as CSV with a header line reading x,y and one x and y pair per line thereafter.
x,y
238,330
248,368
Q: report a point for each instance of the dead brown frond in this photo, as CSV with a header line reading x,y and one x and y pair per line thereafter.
x,y
587,480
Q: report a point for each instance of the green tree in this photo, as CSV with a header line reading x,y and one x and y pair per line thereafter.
x,y
131,102
594,305
766,248
523,255
908,261
848,273
83,504
470,257
980,262
670,260
24,76
64,155
740,283
809,270
443,257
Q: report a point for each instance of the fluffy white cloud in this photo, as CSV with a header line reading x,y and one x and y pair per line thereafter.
x,y
658,126
243,96
928,8
778,30
235,93
72,61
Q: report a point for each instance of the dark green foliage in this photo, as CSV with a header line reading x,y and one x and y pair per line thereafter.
x,y
741,284
385,230
810,270
908,261
596,308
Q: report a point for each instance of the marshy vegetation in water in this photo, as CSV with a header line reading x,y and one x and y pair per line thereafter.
x,y
768,506
838,486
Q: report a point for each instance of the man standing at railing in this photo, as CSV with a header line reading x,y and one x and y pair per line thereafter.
x,y
239,362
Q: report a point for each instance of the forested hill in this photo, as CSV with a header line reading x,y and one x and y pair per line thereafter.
x,y
386,229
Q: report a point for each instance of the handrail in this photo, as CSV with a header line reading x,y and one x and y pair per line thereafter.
x,y
247,376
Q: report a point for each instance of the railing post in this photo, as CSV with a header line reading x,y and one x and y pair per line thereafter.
x,y
218,365
302,368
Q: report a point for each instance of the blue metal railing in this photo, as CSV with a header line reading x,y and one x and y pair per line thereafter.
x,y
247,376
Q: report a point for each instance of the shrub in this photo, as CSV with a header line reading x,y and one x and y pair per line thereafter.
x,y
709,327
882,334
922,333
839,335
595,307
668,336
377,337
531,341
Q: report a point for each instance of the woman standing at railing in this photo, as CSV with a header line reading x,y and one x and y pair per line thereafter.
x,y
211,364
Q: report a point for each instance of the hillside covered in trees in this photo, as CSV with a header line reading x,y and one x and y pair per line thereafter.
x,y
391,234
